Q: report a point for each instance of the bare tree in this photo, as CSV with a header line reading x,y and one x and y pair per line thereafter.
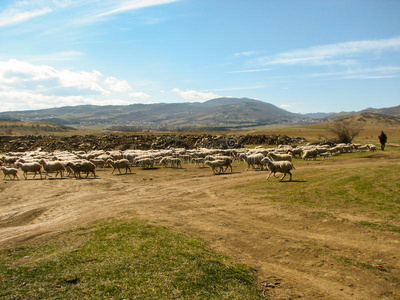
x,y
345,130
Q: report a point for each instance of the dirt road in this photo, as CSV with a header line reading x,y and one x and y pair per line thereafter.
x,y
295,253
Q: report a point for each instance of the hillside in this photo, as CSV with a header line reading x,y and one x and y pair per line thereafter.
x,y
14,127
390,111
221,112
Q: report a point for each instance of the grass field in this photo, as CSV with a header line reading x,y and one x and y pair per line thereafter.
x,y
119,259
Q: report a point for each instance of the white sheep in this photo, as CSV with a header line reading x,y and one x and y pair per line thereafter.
x,y
280,167
52,166
216,165
120,164
295,152
98,162
176,162
84,166
10,171
310,154
34,167
325,155
197,161
279,157
253,159
145,163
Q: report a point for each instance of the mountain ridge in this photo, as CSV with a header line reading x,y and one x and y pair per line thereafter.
x,y
227,113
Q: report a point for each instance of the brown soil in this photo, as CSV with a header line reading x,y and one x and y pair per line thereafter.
x,y
294,252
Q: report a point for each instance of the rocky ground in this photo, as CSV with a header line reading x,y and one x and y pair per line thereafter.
x,y
149,141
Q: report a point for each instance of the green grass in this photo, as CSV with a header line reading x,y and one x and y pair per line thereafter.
x,y
371,191
122,260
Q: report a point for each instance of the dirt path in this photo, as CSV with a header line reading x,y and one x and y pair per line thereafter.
x,y
295,253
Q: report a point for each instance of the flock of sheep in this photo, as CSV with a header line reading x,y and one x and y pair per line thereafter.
x,y
276,160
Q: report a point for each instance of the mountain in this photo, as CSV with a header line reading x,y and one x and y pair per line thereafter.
x,y
390,111
218,114
221,113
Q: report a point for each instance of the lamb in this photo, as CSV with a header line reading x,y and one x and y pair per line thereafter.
x,y
279,157
10,171
279,166
34,167
52,166
253,159
84,166
120,164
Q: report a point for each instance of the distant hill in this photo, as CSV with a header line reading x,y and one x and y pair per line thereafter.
x,y
215,114
8,127
391,111
218,113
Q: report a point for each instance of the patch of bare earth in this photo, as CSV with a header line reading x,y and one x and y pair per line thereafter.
x,y
296,253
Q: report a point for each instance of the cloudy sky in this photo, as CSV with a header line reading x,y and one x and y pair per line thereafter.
x,y
301,55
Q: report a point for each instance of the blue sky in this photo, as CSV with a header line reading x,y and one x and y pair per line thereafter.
x,y
303,55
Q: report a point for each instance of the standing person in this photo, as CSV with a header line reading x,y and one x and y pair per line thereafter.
x,y
382,140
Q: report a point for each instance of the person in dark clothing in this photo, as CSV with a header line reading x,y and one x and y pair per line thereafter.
x,y
382,140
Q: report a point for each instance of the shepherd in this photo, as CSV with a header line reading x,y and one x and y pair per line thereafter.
x,y
382,140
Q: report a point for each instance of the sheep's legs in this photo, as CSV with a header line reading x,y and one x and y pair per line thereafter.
x,y
270,175
285,175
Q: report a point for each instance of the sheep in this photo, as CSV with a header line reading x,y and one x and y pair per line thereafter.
x,y
219,163
9,160
279,157
363,148
145,163
52,166
120,164
371,147
251,160
84,166
310,154
98,162
294,152
215,164
10,171
30,167
176,162
165,161
198,161
279,166
325,155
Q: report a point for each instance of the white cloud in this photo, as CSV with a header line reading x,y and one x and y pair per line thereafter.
x,y
139,95
249,71
118,85
193,95
15,74
340,53
285,105
122,6
361,73
13,16
26,100
245,53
